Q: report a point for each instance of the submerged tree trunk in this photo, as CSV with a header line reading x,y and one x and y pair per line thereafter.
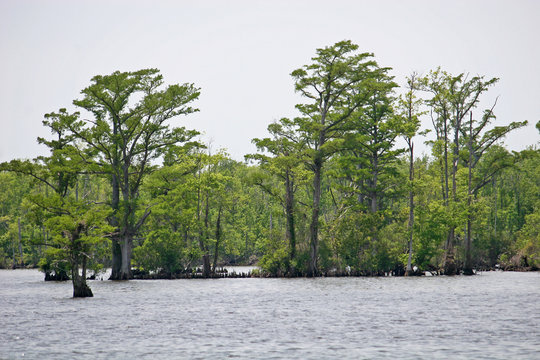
x,y
126,247
449,265
116,260
78,258
80,287
314,227
206,270
116,241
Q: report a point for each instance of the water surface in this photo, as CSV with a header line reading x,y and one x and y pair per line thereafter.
x,y
494,315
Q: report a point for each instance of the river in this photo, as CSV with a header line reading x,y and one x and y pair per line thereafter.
x,y
494,315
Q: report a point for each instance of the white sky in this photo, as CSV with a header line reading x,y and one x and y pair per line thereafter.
x,y
241,54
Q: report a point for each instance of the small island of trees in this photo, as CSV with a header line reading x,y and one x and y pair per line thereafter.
x,y
337,190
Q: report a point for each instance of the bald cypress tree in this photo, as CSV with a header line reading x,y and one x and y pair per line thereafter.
x,y
127,130
333,86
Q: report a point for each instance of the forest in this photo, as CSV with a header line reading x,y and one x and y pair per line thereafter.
x,y
337,190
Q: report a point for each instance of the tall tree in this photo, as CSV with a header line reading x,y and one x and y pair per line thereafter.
x,y
371,156
76,224
128,130
332,85
192,191
452,99
409,105
286,152
371,139
480,140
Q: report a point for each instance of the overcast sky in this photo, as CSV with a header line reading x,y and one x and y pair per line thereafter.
x,y
240,53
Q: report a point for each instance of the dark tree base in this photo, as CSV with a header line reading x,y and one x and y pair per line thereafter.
x,y
450,266
121,276
53,276
82,291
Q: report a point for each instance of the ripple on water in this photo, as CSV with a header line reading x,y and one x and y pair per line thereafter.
x,y
492,316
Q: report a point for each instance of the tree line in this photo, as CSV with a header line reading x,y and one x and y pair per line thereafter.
x,y
329,191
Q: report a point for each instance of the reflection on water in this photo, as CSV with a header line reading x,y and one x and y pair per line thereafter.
x,y
493,316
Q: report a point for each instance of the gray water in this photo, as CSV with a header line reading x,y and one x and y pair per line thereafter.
x,y
493,315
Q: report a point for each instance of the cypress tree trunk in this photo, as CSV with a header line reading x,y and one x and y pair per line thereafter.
x,y
126,247
126,228
449,264
467,270
203,234
116,260
218,238
409,270
80,287
289,210
116,241
206,256
206,265
314,227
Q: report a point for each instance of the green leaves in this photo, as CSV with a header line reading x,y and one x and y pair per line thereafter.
x,y
130,116
332,82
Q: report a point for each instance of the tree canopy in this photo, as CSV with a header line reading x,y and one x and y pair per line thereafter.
x,y
336,189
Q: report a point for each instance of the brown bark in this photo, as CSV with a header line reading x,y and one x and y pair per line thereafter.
x,y
206,265
80,287
78,258
449,265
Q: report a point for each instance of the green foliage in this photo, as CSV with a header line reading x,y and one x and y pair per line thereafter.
x,y
328,190
276,255
165,251
528,240
129,130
